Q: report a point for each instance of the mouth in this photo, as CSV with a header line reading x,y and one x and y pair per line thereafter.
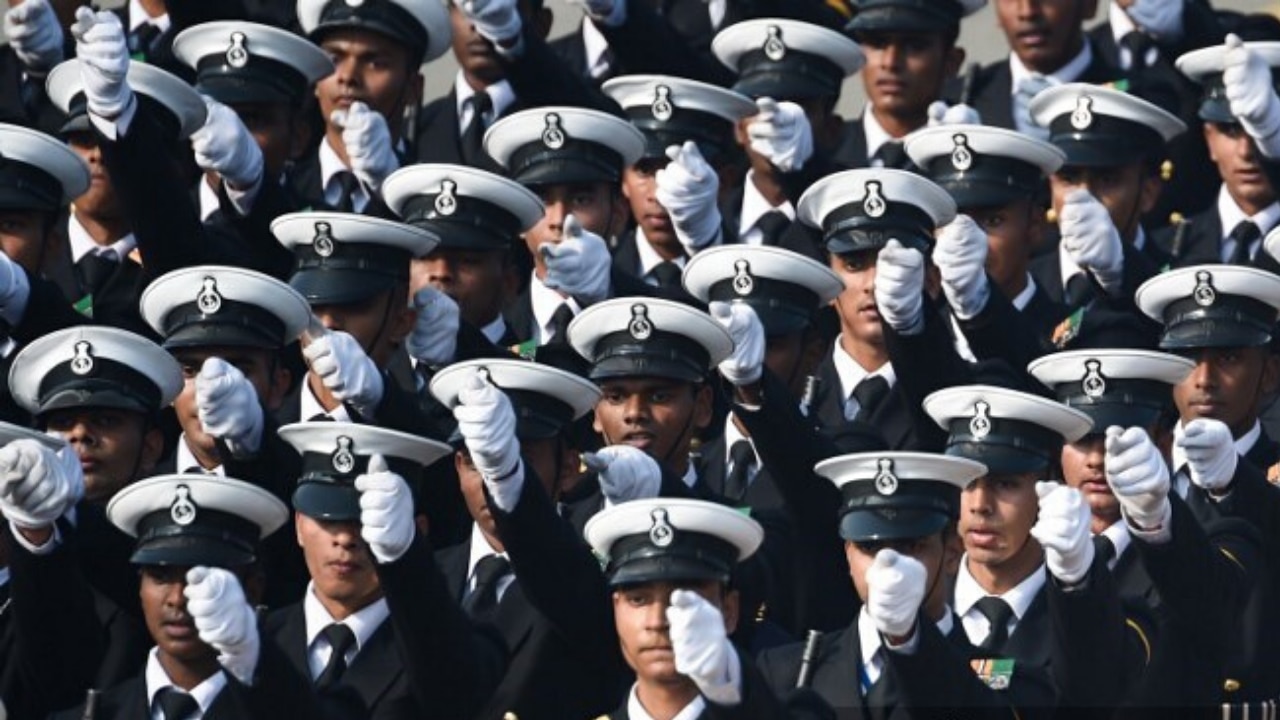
x,y
1032,38
984,538
1095,486
889,86
180,629
869,311
344,568
641,440
1205,408
658,220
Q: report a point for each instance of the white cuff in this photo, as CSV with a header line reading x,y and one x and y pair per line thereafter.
x,y
728,692
47,548
506,491
907,648
242,200
1158,535
119,127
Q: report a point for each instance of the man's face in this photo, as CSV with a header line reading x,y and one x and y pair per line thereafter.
x,y
475,55
640,616
1127,191
595,205
1044,34
1239,165
23,237
379,323
369,68
1013,230
268,376
115,447
905,71
1227,384
856,304
997,513
1084,468
551,460
275,129
640,188
477,280
164,607
338,561
99,201
658,416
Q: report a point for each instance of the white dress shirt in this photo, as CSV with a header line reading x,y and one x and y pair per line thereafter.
x,y
311,407
500,94
545,302
650,259
875,133
1232,216
754,207
363,624
1068,73
968,592
330,166
495,329
595,46
481,549
851,373
184,459
732,435
636,711
1122,25
82,244
1118,534
157,679
138,15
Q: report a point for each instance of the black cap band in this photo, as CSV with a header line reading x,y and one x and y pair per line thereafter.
x,y
906,15
576,161
1214,105
1126,403
1007,446
712,133
538,416
662,354
1107,142
259,79
850,229
782,307
381,16
221,537
379,260
107,384
235,323
688,556
473,224
989,180
796,75
1230,321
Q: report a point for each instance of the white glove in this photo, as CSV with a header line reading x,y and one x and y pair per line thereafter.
x,y
35,35
1210,451
745,364
578,266
487,423
1247,84
940,113
368,143
228,407
899,287
688,188
104,62
895,591
225,620
386,511
961,257
782,134
1063,531
344,368
38,485
434,340
702,649
15,290
497,21
626,473
223,144
1091,239
1138,476
1160,18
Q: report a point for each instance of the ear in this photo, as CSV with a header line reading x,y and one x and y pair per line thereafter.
x,y
1152,186
402,324
297,528
740,131
152,447
954,61
730,609
254,582
595,423
702,406
815,349
620,211
952,551
281,379
1270,372
1207,130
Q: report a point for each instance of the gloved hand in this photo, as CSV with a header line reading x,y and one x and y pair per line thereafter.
x,y
1247,84
1091,239
434,340
487,423
895,591
940,113
344,368
702,649
961,257
497,21
1138,476
368,143
782,134
578,266
35,35
1161,19
15,290
899,287
1211,452
38,485
1063,531
223,144
104,62
225,620
386,511
745,364
228,407
626,473
688,188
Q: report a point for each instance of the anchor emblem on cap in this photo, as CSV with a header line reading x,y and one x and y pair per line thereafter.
x,y
344,461
640,327
961,157
182,511
886,482
1204,294
661,534
446,202
1094,384
980,425
662,108
82,361
774,48
323,242
1082,118
743,283
874,205
237,53
208,300
553,135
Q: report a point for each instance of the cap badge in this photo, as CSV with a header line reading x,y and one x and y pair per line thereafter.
x,y
874,205
182,511
323,242
743,283
82,360
980,425
1094,384
355,3
344,461
640,327
208,300
661,534
446,201
1204,294
1082,118
553,135
662,108
237,53
886,482
774,48
961,157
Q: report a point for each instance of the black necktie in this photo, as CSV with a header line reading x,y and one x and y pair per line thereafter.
x,y
1139,46
175,704
869,393
1079,291
891,155
997,612
736,480
667,274
559,325
1245,234
483,600
94,270
1104,548
141,41
340,638
772,224
473,136
347,197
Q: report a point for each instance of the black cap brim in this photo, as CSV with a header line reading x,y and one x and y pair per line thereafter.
x,y
1000,459
207,335
646,366
1095,151
970,195
230,90
783,86
74,398
1216,333
1217,110
191,551
327,501
664,568
855,241
565,171
1125,415
339,286
900,19
867,525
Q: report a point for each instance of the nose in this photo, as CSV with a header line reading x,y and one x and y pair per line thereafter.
x,y
328,318
80,434
346,535
1202,375
656,618
977,497
637,409
555,215
440,272
174,596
